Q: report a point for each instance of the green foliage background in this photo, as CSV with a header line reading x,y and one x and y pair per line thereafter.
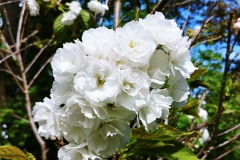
x,y
209,56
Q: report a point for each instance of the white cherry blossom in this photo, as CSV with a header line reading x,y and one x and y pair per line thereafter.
x,y
98,81
134,44
33,7
97,7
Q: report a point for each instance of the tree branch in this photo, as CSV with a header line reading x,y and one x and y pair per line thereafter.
x,y
224,154
205,41
117,10
39,71
161,4
220,145
36,57
229,130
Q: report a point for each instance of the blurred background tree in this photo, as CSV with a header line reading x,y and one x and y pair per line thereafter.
x,y
26,78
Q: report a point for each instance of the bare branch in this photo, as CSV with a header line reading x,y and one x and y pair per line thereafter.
x,y
13,1
36,57
8,25
23,25
220,145
39,71
6,44
12,54
205,21
32,34
229,130
18,37
161,4
101,19
148,6
18,117
14,75
9,72
224,154
205,41
117,10
185,23
182,3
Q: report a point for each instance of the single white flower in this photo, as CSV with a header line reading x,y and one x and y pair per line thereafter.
x,y
97,7
75,7
135,88
41,112
204,135
33,7
203,113
165,32
98,81
75,151
178,87
159,69
134,44
158,106
68,18
67,60
180,58
109,137
98,42
237,24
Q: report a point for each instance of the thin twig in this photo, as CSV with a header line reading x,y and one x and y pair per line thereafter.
x,y
229,130
185,23
9,72
205,41
179,4
5,43
204,22
23,25
12,54
18,117
36,57
224,154
101,19
8,25
13,1
39,71
30,35
220,145
161,4
148,6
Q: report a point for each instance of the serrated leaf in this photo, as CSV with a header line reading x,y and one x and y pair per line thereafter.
x,y
86,20
199,72
163,133
59,29
11,152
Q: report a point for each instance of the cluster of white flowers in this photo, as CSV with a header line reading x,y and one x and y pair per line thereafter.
x,y
74,10
111,78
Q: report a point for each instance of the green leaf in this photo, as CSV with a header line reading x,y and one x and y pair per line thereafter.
x,y
191,108
11,152
168,149
29,156
163,133
197,83
86,19
59,29
198,73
